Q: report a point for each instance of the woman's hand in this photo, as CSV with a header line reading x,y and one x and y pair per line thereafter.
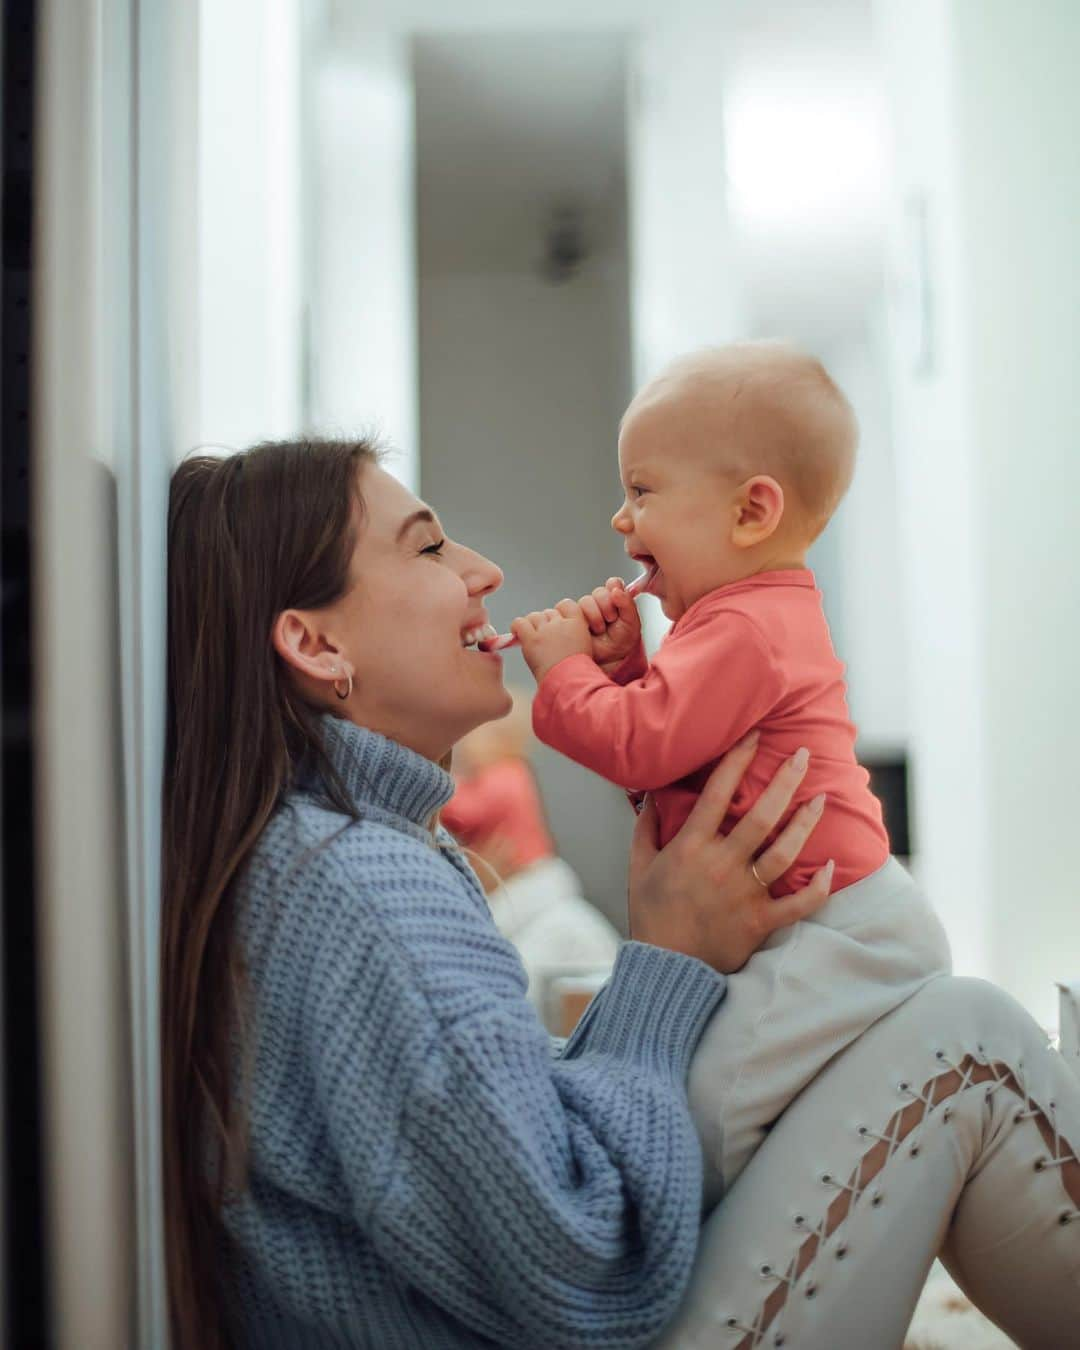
x,y
698,894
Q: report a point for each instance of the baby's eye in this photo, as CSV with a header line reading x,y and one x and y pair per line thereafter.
x,y
435,549
636,490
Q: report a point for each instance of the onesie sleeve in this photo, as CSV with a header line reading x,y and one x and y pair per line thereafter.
x,y
704,689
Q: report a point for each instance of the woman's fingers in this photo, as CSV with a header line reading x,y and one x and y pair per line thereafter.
x,y
645,842
790,908
712,805
760,821
776,859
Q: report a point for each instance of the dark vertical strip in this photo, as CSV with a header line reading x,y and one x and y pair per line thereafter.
x,y
26,1315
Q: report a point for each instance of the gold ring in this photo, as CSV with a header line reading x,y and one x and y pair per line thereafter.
x,y
757,876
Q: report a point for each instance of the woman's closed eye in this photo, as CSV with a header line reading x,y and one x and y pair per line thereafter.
x,y
435,549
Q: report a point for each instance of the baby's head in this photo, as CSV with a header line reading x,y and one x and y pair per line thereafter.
x,y
732,462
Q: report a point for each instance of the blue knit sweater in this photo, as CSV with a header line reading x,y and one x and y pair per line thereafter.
x,y
425,1168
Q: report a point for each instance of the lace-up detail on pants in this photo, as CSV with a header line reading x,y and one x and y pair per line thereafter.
x,y
933,1100
895,1153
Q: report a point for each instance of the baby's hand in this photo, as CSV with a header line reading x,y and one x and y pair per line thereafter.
x,y
549,636
614,623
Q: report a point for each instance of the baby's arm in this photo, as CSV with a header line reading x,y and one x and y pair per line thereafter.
x,y
703,690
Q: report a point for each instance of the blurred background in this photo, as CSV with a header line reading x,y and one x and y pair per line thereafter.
x,y
475,228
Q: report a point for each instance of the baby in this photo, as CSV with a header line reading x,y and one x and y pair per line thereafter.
x,y
732,463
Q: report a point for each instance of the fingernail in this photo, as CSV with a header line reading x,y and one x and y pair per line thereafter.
x,y
830,868
801,758
817,805
752,739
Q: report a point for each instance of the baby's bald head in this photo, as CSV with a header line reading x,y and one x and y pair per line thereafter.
x,y
761,408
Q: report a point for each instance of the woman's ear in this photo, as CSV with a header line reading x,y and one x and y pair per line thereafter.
x,y
759,509
305,649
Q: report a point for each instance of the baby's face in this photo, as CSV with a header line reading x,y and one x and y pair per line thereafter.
x,y
679,505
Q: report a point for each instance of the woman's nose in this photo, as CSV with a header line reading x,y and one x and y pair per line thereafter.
x,y
481,575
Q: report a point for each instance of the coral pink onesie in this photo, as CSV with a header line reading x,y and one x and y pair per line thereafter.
x,y
756,653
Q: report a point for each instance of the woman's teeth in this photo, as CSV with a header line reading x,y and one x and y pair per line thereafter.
x,y
471,636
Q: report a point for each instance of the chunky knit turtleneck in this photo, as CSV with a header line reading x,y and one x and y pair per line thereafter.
x,y
379,773
423,1170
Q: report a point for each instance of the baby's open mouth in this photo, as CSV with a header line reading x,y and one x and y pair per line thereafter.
x,y
642,585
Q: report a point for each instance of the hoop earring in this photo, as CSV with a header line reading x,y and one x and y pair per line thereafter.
x,y
348,689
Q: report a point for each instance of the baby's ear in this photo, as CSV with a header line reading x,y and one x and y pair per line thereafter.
x,y
759,509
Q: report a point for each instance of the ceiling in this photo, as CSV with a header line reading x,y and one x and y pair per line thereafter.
x,y
445,16
521,106
510,128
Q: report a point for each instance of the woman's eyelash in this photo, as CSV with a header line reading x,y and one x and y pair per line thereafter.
x,y
434,548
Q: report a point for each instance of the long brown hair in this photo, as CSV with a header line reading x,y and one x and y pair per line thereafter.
x,y
249,535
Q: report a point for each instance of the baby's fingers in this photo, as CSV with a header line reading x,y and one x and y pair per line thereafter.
x,y
606,603
625,607
593,615
526,624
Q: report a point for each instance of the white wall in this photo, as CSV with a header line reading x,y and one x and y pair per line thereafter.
x,y
983,98
1018,106
250,285
522,385
859,561
363,314
684,287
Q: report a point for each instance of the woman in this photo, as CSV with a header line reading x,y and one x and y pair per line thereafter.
x,y
368,1139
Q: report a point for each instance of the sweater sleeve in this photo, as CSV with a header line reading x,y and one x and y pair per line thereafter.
x,y
536,1200
700,694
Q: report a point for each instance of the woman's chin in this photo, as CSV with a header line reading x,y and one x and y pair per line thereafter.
x,y
496,700
500,705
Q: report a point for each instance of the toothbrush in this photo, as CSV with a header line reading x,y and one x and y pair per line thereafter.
x,y
502,641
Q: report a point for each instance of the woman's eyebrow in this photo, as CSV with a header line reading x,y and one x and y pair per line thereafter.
x,y
418,517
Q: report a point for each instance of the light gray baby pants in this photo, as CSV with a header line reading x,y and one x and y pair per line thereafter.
x,y
811,990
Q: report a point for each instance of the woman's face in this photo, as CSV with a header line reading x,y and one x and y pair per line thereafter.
x,y
414,595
